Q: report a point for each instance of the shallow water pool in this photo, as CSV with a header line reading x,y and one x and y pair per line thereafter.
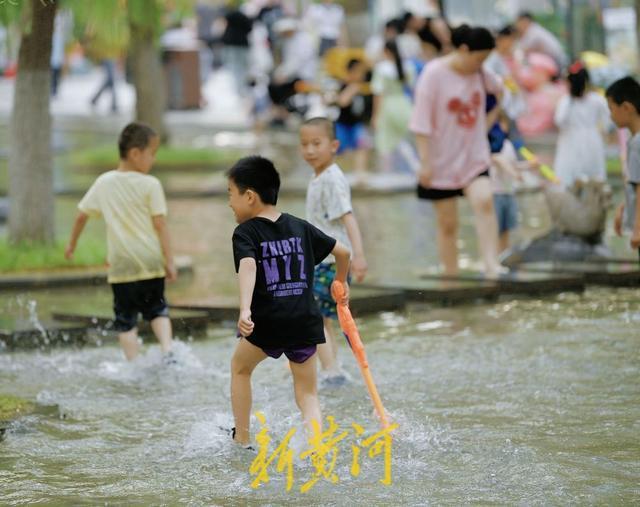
x,y
517,402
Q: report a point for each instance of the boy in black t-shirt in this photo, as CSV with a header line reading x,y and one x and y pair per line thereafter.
x,y
275,255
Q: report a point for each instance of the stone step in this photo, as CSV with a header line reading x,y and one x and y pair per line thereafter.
x,y
609,274
440,291
523,282
73,276
182,320
48,333
363,301
377,184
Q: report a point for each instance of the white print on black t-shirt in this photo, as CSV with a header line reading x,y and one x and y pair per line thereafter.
x,y
276,262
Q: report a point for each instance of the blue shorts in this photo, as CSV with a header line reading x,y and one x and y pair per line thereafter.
x,y
351,137
506,212
323,277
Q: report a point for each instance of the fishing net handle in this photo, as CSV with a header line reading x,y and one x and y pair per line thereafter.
x,y
337,291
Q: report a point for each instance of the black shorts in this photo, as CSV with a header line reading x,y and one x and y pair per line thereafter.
x,y
132,298
435,194
280,93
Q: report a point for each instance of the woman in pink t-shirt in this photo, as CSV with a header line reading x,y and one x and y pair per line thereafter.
x,y
451,135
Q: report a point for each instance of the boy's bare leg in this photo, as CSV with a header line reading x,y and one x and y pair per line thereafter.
x,y
161,327
360,161
328,351
244,360
503,241
480,195
447,222
305,386
129,343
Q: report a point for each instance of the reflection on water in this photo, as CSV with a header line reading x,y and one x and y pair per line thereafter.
x,y
532,401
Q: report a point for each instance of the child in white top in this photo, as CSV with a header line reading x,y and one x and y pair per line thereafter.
x,y
329,209
581,116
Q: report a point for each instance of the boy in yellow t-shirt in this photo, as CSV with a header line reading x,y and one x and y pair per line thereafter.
x,y
133,205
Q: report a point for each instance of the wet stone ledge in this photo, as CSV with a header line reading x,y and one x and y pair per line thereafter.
x,y
72,277
12,407
524,283
439,291
607,274
45,335
182,321
78,330
363,301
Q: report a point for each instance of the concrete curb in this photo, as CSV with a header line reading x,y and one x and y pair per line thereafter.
x,y
374,191
93,276
525,283
363,301
615,274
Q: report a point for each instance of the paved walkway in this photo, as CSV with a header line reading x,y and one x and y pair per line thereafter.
x,y
224,109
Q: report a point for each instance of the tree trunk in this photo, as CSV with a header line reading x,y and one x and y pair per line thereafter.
x,y
31,197
148,79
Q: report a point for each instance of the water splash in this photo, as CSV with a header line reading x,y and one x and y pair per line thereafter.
x,y
208,436
32,308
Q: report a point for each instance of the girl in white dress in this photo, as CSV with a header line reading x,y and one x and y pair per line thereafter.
x,y
582,118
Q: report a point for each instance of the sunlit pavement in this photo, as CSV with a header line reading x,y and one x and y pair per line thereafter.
x,y
223,108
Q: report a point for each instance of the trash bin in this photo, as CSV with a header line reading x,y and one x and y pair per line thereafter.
x,y
182,75
4,209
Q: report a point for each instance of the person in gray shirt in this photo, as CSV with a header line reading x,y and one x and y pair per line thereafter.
x,y
623,98
535,38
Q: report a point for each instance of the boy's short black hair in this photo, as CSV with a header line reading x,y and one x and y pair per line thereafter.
x,y
325,123
395,24
525,15
626,89
354,62
506,31
258,174
135,135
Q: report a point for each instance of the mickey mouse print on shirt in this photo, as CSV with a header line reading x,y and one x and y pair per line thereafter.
x,y
467,111
449,111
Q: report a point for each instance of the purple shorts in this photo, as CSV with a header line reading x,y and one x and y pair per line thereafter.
x,y
295,355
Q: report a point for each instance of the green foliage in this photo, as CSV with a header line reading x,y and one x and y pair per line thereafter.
x,y
11,11
101,26
105,24
614,167
107,156
554,22
144,14
33,257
